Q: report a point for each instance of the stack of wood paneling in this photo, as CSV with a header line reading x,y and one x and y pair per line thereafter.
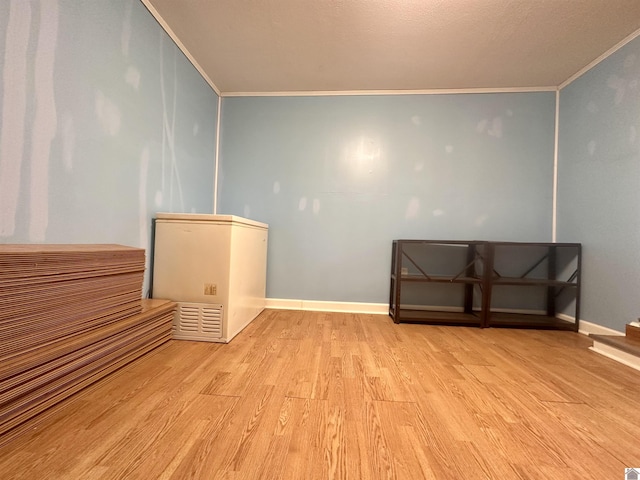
x,y
69,315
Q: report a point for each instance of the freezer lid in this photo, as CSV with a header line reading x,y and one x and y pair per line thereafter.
x,y
209,217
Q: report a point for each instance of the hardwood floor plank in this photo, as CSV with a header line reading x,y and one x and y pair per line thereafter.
x,y
335,443
318,395
195,457
161,458
304,458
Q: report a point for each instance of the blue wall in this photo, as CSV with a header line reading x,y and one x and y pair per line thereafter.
x,y
337,178
103,123
599,184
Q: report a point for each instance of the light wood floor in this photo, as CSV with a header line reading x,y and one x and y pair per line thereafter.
x,y
309,395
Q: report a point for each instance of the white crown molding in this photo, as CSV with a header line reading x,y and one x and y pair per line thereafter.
x,y
340,93
602,57
165,26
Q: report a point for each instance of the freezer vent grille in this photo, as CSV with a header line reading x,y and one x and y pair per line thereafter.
x,y
198,321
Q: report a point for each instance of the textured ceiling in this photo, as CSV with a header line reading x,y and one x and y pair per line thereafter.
x,y
354,45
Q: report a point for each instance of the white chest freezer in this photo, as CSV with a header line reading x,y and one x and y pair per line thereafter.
x,y
215,268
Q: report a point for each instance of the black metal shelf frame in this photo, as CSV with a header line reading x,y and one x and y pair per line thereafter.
x,y
483,259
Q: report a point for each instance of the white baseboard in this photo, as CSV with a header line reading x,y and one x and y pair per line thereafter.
x,y
446,308
587,328
379,308
372,308
523,311
617,355
322,306
432,308
565,317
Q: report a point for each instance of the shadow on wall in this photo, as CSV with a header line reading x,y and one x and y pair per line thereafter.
x,y
17,70
102,124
